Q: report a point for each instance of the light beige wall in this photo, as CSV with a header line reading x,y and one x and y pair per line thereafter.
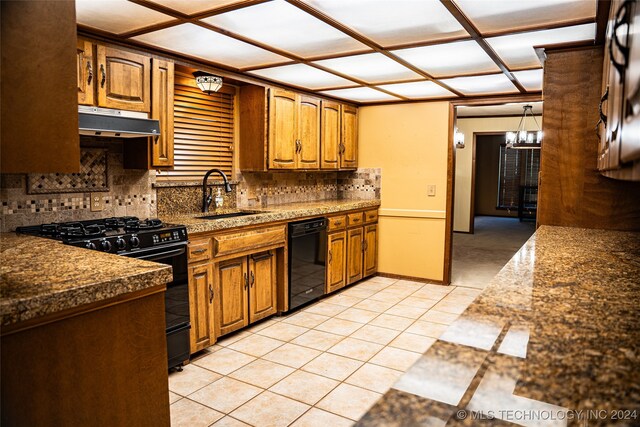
x,y
409,143
464,160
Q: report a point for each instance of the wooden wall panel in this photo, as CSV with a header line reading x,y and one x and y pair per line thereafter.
x,y
572,192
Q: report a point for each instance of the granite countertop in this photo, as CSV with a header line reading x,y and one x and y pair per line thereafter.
x,y
42,276
290,211
555,334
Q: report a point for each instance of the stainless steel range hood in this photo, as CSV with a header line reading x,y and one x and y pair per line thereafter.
x,y
115,123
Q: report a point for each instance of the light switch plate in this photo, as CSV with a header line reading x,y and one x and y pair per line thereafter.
x,y
97,202
431,190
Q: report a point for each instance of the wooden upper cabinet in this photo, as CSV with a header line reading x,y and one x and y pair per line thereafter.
x,y
283,130
85,72
336,257
162,80
123,79
330,143
349,139
232,281
39,131
308,150
262,285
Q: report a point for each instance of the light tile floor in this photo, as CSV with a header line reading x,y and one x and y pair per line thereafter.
x,y
325,365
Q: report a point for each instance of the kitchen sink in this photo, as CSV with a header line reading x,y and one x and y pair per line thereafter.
x,y
226,215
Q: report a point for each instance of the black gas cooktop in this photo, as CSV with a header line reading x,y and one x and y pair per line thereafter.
x,y
121,235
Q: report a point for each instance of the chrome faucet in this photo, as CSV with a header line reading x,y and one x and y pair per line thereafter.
x,y
206,198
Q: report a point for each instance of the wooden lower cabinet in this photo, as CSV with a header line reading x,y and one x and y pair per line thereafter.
x,y
262,285
370,258
201,308
354,254
247,290
232,281
336,257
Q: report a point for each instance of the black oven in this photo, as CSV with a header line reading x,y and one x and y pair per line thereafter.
x,y
176,298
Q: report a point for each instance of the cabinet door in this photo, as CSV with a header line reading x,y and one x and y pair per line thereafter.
x,y
262,285
283,119
85,72
336,256
370,258
349,146
354,255
308,133
232,282
162,109
201,311
330,135
123,79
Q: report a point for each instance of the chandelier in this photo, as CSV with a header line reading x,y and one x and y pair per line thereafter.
x,y
523,139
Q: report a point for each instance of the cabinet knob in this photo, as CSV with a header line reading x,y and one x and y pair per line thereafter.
x,y
253,279
210,294
103,73
246,280
89,72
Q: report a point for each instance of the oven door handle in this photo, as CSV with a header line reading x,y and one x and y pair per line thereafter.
x,y
164,254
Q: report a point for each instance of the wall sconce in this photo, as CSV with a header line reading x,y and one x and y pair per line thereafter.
x,y
208,83
458,138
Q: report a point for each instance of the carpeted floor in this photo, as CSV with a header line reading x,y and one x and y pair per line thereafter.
x,y
480,256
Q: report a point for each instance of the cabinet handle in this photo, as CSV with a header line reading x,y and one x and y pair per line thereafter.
x,y
341,149
337,223
210,294
246,280
253,279
366,245
103,73
622,18
89,72
330,256
198,251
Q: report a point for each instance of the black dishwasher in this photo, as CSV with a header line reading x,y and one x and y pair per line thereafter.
x,y
307,252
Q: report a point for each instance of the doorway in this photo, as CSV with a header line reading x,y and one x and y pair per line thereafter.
x,y
491,195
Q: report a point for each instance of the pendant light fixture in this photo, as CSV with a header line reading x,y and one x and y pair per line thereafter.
x,y
523,139
208,83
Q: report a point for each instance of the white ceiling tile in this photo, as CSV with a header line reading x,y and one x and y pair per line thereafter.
x,y
303,76
116,16
514,108
360,94
193,40
418,90
393,22
516,50
370,67
481,85
530,79
456,58
286,27
497,15
191,7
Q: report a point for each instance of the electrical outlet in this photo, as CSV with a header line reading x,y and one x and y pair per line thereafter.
x,y
97,202
431,190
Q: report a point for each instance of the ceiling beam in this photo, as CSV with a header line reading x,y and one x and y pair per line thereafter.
x,y
366,41
475,35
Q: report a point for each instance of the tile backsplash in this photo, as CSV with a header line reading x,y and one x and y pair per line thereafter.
x,y
135,192
129,192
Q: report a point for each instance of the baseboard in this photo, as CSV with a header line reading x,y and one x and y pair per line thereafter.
x,y
411,278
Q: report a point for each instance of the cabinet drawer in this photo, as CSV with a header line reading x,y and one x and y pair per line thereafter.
x,y
336,222
232,243
371,216
199,250
354,219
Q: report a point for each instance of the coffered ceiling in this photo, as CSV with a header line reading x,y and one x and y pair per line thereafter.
x,y
359,50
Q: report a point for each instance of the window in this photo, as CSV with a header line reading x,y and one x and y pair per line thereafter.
x,y
204,130
517,168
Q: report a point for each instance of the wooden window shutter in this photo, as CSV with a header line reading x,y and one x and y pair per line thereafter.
x,y
204,130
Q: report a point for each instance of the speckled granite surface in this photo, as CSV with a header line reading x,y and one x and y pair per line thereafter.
x,y
42,276
290,211
553,340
